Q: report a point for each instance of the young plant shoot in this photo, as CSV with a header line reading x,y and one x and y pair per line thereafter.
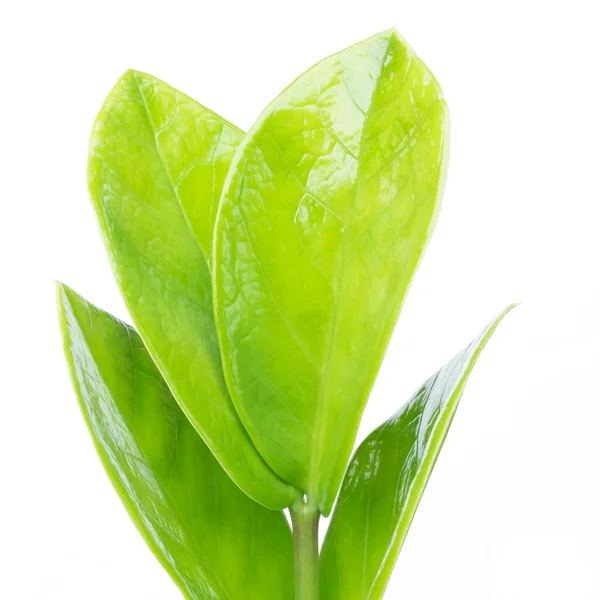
x,y
264,273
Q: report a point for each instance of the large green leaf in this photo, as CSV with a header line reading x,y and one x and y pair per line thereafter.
x,y
215,542
326,211
157,164
385,481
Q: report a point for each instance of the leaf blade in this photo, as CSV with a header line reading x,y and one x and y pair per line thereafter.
x,y
157,162
321,225
212,539
386,479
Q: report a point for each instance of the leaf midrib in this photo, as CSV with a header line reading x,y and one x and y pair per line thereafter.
x,y
167,495
162,160
317,441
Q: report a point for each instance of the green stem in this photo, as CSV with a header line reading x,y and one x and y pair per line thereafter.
x,y
305,521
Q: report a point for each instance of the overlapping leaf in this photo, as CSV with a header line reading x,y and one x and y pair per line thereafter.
x,y
385,481
215,542
157,163
325,214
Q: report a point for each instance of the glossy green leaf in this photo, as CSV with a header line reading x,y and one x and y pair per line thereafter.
x,y
385,481
156,167
324,216
215,542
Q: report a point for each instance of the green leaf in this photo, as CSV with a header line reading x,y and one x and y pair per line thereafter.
x,y
157,164
386,479
214,541
326,211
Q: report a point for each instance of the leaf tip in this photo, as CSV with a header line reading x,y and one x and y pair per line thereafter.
x,y
509,308
66,298
61,289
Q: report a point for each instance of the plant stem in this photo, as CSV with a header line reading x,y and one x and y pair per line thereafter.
x,y
305,521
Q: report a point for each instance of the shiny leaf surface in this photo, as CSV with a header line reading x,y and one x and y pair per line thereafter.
x,y
156,167
385,481
215,542
324,216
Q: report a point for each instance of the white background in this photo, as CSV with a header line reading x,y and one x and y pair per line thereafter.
x,y
512,510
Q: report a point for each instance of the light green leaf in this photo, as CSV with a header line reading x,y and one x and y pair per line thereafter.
x,y
327,208
385,481
215,542
157,164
